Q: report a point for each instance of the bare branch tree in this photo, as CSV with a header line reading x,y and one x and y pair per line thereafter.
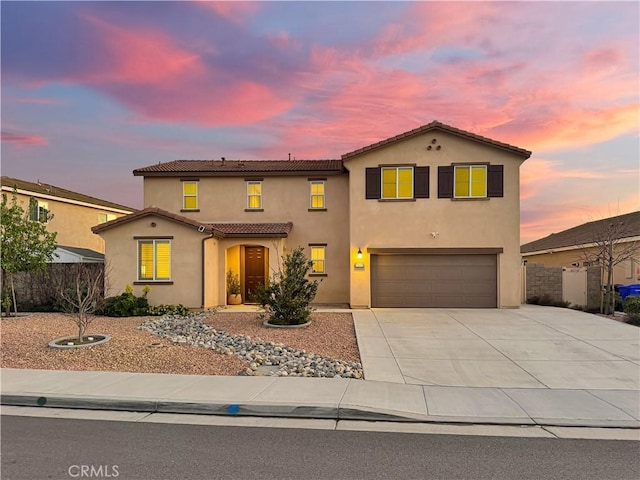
x,y
81,294
610,246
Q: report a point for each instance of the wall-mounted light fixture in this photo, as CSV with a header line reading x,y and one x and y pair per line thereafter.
x,y
359,254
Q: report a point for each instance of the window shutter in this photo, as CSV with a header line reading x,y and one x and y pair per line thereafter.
x,y
372,181
421,182
445,182
495,181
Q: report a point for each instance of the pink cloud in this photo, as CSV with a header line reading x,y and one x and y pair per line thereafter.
x,y
553,219
22,139
138,56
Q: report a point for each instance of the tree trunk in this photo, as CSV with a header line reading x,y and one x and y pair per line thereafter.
x,y
81,327
13,294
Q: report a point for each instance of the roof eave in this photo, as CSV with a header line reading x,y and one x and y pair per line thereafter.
x,y
236,173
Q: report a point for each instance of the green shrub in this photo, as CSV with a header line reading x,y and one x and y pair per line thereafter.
x,y
619,304
127,304
168,310
547,301
632,309
290,292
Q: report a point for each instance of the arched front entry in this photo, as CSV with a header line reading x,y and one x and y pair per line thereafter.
x,y
250,262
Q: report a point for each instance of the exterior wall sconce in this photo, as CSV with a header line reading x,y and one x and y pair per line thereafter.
x,y
359,254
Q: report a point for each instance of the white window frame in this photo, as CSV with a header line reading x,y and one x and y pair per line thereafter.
x,y
154,262
104,217
397,169
249,183
323,195
40,206
323,259
470,168
184,195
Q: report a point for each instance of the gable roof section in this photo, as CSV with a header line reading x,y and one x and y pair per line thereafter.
x,y
584,234
220,230
63,193
435,125
155,211
238,168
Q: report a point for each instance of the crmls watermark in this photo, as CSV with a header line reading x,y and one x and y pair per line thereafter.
x,y
93,471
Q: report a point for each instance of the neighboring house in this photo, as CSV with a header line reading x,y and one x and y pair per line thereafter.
x,y
428,218
65,254
71,214
575,247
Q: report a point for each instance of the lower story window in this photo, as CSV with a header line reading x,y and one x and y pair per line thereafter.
x,y
317,258
154,260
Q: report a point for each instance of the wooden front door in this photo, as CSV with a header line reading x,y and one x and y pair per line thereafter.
x,y
253,272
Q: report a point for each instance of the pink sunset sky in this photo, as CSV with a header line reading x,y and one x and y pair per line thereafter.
x,y
92,90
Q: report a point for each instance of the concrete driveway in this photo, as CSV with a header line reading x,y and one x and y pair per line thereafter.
x,y
532,347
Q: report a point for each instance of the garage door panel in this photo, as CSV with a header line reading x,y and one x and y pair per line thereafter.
x,y
434,281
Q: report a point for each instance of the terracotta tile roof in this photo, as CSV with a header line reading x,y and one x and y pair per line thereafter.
x,y
51,190
153,211
435,125
253,229
241,167
585,234
220,230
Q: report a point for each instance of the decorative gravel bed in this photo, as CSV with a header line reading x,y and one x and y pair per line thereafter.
x,y
264,357
24,344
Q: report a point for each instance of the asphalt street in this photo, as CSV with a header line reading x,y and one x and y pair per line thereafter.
x,y
46,448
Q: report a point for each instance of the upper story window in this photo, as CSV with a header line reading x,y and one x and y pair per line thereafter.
x,y
105,217
318,259
189,195
317,194
38,210
254,195
406,182
397,182
154,260
470,181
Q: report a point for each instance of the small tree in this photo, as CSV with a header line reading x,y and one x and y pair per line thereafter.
x,y
608,249
81,294
25,245
288,297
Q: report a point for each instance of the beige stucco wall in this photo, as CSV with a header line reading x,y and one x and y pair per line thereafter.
x,y
624,273
186,261
285,199
72,222
459,223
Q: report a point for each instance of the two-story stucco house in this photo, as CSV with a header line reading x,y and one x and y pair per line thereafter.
x,y
70,214
428,218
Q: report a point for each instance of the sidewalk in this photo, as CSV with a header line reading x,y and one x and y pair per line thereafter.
x,y
338,399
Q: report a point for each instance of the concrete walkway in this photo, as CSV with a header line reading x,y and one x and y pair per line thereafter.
x,y
533,366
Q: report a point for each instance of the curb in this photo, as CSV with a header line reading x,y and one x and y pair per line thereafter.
x,y
282,411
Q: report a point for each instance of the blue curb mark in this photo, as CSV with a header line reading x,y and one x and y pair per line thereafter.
x,y
42,401
233,409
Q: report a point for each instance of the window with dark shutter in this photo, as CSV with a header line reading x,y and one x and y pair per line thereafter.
x,y
372,180
495,181
421,182
445,182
